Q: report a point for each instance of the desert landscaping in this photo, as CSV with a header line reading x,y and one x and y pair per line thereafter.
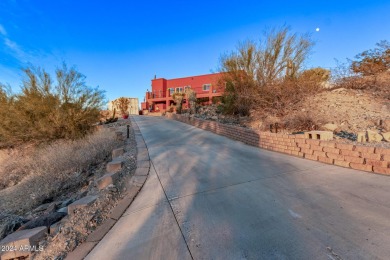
x,y
276,153
46,203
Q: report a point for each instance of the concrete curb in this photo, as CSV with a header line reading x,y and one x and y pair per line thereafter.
x,y
136,184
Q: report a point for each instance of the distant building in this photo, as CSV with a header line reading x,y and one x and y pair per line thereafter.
x,y
133,106
159,99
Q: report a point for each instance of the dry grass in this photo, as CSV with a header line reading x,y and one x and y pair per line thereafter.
x,y
301,122
48,171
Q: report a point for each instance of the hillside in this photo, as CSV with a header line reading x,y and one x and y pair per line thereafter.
x,y
348,110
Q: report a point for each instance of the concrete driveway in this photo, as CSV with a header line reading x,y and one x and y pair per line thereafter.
x,y
209,197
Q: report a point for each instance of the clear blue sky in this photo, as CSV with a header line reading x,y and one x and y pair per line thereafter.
x,y
121,45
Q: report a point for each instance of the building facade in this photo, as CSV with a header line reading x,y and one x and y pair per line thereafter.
x,y
159,99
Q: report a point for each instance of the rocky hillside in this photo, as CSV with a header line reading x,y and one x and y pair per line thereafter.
x,y
344,111
350,110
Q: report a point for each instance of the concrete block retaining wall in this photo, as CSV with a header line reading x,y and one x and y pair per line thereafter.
x,y
371,159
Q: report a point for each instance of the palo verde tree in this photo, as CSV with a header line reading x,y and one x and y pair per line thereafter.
x,y
45,110
255,70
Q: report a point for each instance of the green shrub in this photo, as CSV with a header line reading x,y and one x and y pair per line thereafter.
x,y
45,111
216,100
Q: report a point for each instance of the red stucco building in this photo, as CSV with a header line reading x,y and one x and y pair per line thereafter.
x,y
160,97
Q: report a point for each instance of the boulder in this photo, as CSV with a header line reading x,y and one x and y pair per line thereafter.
x,y
373,136
56,227
114,166
330,127
107,179
46,220
386,136
117,152
81,203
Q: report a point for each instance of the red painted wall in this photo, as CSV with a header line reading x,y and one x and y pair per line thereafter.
x,y
159,84
196,83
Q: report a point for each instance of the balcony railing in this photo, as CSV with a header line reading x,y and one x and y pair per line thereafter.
x,y
156,94
164,94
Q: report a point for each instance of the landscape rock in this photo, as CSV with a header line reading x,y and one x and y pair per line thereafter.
x,y
112,188
373,136
63,210
52,208
330,127
117,152
114,166
46,220
55,228
386,136
65,203
43,207
23,238
107,179
81,203
346,135
9,224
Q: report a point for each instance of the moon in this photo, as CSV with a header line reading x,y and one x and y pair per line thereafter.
x,y
317,29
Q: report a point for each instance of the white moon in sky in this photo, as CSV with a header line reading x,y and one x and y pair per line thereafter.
x,y
317,29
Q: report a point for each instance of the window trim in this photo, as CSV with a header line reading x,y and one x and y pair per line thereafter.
x,y
206,85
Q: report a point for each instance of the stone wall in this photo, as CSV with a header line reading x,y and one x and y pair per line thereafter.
x,y
371,159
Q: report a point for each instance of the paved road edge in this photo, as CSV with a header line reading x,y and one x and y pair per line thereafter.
x,y
136,183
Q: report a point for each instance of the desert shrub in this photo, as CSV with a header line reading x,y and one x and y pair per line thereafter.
x,y
171,108
178,98
301,122
265,74
369,70
372,62
200,101
220,109
49,170
45,110
216,100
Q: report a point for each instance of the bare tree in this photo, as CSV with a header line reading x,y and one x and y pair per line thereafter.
x,y
281,53
253,67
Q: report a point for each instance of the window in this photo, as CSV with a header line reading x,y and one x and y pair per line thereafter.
x,y
206,87
171,91
179,89
187,87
